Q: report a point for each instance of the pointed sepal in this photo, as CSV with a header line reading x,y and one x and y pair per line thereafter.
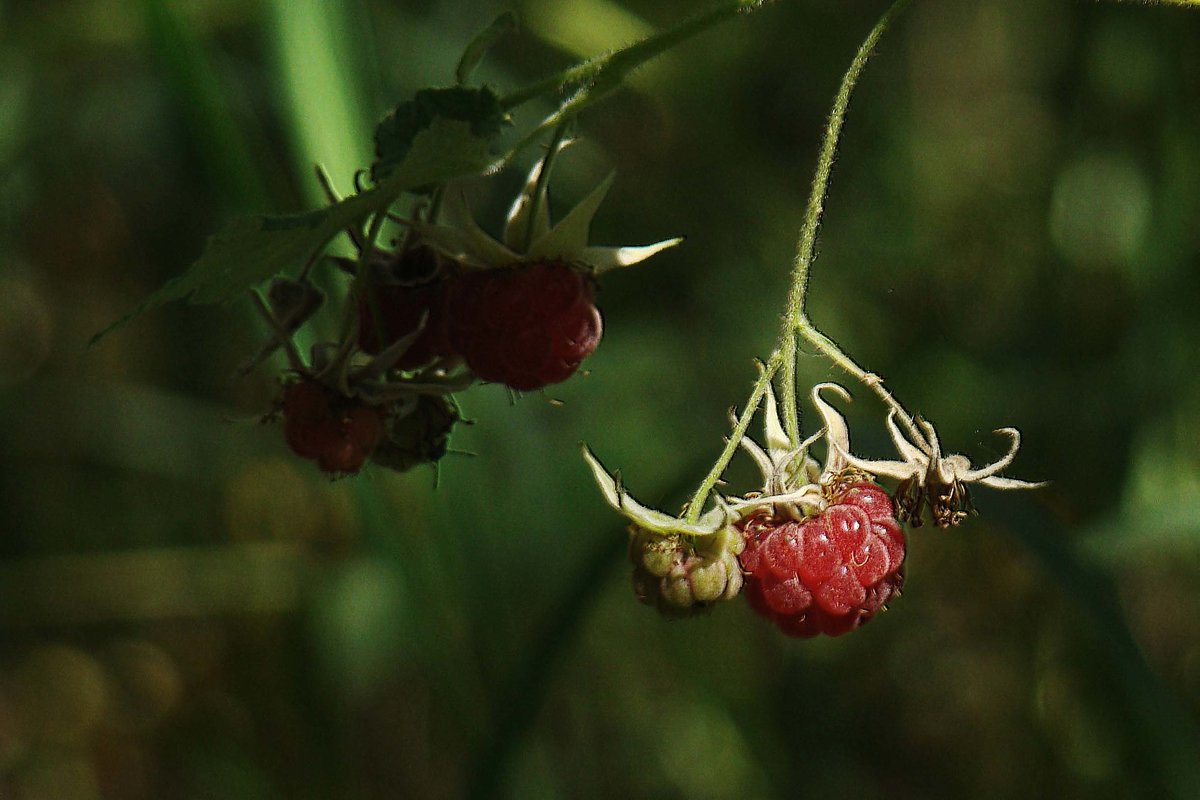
x,y
713,520
600,260
569,237
529,217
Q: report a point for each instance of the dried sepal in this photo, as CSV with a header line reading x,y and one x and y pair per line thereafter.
x,y
927,478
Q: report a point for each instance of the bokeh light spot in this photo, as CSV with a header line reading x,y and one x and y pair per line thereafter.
x,y
1100,210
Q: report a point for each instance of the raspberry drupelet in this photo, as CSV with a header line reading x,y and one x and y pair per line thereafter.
x,y
828,573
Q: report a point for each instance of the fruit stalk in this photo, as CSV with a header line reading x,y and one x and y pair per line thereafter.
x,y
609,70
696,504
796,322
348,337
795,316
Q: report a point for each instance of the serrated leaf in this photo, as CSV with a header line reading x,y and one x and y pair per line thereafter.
x,y
249,250
445,150
399,132
502,25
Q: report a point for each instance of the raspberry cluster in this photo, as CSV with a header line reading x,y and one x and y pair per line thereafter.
x,y
440,308
338,433
828,573
526,326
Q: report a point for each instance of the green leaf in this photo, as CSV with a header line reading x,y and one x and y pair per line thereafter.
x,y
444,150
399,131
249,250
502,25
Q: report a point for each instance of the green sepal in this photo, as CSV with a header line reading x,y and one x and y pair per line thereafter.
x,y
569,237
714,519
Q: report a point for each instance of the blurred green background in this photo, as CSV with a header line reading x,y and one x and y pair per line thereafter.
x,y
1012,238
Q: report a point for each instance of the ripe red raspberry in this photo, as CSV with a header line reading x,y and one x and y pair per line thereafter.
x,y
828,573
400,310
527,326
336,432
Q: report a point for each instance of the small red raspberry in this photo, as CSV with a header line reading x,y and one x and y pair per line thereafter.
x,y
828,573
527,326
336,432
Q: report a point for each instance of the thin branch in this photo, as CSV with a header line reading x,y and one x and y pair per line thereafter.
x,y
795,318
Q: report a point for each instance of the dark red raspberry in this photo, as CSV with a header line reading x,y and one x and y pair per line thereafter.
x,y
400,310
527,326
336,432
828,573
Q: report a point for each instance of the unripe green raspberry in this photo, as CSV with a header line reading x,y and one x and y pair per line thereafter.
x,y
682,576
420,436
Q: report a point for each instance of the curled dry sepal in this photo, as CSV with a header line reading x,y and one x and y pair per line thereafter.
x,y
820,549
938,482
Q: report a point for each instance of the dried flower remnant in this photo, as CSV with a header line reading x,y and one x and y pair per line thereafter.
x,y
929,479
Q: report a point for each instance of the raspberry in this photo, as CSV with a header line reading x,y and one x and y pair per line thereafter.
x,y
400,310
336,432
828,573
683,576
526,326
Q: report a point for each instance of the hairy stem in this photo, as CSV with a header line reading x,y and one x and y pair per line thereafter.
x,y
796,322
795,316
830,349
543,178
696,504
592,80
607,71
348,336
